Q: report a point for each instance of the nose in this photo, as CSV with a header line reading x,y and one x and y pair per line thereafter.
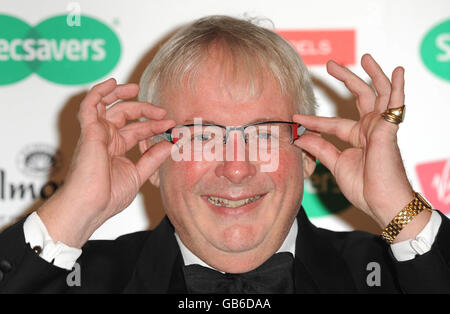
x,y
236,166
236,171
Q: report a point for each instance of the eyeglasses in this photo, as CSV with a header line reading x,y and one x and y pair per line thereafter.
x,y
263,133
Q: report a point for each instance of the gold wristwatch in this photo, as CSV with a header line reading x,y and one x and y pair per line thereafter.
x,y
407,214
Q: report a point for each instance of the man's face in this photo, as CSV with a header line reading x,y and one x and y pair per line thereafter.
x,y
231,239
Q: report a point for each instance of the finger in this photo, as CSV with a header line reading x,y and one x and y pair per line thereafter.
x,y
341,128
152,159
364,94
88,107
122,112
138,131
380,81
320,148
397,98
123,91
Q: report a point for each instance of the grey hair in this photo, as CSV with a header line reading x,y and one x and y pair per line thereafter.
x,y
251,49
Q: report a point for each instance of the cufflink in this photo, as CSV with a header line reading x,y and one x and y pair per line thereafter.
x,y
37,249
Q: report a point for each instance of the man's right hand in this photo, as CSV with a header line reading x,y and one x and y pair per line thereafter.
x,y
102,181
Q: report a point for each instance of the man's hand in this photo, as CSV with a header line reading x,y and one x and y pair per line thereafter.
x,y
102,181
370,174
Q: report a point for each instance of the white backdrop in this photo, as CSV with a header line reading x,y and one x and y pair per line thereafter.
x,y
38,124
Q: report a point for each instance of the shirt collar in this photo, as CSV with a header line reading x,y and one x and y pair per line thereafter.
x,y
287,246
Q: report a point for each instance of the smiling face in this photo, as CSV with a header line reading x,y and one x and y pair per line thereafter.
x,y
230,213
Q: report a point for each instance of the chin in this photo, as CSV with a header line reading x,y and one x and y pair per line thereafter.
x,y
242,249
239,238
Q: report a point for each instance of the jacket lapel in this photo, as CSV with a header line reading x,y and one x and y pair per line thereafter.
x,y
159,267
318,265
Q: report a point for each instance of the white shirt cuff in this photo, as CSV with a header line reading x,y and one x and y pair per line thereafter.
x,y
36,234
408,249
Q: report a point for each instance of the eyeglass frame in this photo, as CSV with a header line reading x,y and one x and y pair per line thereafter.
x,y
297,131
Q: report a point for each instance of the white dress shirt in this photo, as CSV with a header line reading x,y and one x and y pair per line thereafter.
x,y
63,256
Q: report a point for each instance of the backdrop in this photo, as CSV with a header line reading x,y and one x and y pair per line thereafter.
x,y
53,51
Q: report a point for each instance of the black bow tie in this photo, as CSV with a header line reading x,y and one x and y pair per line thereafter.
x,y
273,276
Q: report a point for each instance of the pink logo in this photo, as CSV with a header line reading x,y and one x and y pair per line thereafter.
x,y
317,47
434,178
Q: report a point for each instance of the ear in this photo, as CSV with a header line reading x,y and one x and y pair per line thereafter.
x,y
154,178
309,164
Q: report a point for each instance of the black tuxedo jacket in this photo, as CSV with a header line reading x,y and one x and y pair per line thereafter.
x,y
151,262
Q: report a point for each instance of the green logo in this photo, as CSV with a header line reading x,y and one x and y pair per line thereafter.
x,y
56,51
322,195
435,50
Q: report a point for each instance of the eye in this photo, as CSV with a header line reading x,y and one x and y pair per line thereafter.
x,y
203,137
264,135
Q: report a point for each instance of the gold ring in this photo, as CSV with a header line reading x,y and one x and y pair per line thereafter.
x,y
394,115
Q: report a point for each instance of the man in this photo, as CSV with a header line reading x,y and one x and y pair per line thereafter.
x,y
230,226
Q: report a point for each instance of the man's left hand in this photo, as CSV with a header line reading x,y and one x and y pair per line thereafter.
x,y
371,173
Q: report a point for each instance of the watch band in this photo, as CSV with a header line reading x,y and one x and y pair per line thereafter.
x,y
408,213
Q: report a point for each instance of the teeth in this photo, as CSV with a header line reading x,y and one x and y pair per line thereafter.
x,y
218,201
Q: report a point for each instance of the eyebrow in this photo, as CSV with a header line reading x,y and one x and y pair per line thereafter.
x,y
191,121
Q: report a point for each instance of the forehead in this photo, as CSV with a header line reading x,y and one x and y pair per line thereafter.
x,y
218,93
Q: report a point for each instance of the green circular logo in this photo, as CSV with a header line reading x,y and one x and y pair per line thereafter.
x,y
435,50
56,50
322,196
12,34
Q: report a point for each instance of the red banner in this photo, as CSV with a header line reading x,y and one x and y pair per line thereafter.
x,y
318,46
